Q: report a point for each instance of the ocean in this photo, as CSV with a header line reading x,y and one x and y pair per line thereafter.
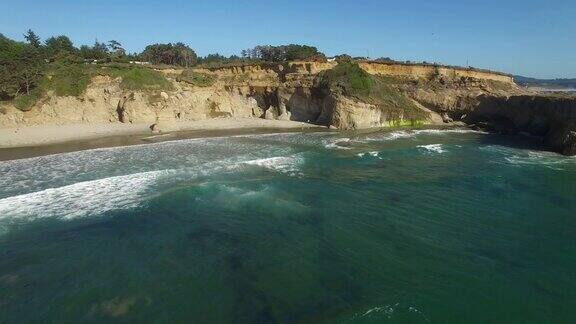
x,y
399,226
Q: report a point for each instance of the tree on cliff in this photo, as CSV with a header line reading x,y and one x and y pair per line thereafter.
x,y
21,67
98,51
282,53
172,54
116,48
59,46
31,68
32,38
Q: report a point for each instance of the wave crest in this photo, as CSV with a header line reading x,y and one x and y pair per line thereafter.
x,y
285,164
433,148
80,199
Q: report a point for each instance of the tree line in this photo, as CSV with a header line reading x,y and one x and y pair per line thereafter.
x,y
24,63
284,53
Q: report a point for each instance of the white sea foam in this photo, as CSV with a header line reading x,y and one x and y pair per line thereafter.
x,y
336,143
389,312
374,154
545,159
285,164
80,199
448,131
433,148
519,157
413,133
390,136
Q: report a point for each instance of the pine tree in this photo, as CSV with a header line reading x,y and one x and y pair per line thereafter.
x,y
32,38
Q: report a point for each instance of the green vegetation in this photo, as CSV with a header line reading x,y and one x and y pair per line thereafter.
x,y
350,80
26,101
284,53
140,79
30,68
21,68
171,54
196,78
66,80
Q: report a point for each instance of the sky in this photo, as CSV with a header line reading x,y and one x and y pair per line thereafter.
x,y
530,38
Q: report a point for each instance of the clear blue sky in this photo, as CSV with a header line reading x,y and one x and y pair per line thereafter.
x,y
530,37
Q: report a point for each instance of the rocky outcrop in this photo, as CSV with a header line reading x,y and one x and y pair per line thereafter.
x,y
550,117
504,109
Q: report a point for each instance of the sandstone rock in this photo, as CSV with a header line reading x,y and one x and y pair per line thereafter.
x,y
446,119
271,113
164,95
285,116
345,113
163,125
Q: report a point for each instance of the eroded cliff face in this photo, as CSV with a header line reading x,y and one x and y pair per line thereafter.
x,y
239,91
552,118
105,102
289,92
504,108
427,72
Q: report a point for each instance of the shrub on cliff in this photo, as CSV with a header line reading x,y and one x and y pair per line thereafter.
x,y
348,79
144,79
67,79
25,102
196,78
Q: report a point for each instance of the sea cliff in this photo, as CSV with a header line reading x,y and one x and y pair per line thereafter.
x,y
344,95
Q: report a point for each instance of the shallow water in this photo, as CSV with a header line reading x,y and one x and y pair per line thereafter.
x,y
421,226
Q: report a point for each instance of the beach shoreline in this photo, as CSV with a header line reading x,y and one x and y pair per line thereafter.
x,y
33,141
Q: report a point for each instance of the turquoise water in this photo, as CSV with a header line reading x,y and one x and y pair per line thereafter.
x,y
422,226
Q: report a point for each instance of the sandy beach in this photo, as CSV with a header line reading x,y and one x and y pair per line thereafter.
x,y
32,141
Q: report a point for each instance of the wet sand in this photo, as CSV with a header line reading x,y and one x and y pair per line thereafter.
x,y
34,141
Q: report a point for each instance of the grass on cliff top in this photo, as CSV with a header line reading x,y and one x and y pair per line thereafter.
x,y
73,79
144,79
196,78
136,78
66,80
353,81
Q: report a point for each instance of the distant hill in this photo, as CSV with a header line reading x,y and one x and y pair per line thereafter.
x,y
546,83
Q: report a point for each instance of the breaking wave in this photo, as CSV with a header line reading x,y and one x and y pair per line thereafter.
x,y
433,148
518,157
81,199
413,133
391,312
374,154
285,164
337,144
